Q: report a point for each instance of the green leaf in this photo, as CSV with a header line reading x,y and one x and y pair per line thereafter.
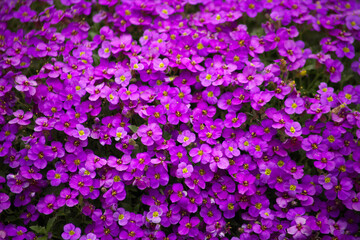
x,y
38,229
50,223
133,128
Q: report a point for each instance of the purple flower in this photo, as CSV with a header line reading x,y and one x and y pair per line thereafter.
x,y
135,65
24,84
186,138
231,149
21,118
344,49
154,215
122,216
164,11
334,67
250,78
81,132
4,202
80,183
178,112
184,170
210,215
71,232
290,50
218,160
293,129
47,204
105,50
294,105
149,134
233,120
68,197
160,64
188,226
17,233
299,230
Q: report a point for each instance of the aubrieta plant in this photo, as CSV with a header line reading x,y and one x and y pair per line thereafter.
x,y
179,119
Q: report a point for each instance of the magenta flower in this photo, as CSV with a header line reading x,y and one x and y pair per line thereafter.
x,y
164,11
24,84
81,132
4,202
135,65
290,50
154,215
160,64
293,129
47,205
21,118
184,170
105,50
188,226
68,197
178,112
299,230
149,133
121,216
294,105
71,232
334,67
250,78
186,138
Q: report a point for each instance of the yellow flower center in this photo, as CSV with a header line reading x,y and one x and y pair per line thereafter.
x,y
280,163
331,138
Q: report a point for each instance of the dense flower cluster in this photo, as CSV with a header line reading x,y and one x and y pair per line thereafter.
x,y
180,119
